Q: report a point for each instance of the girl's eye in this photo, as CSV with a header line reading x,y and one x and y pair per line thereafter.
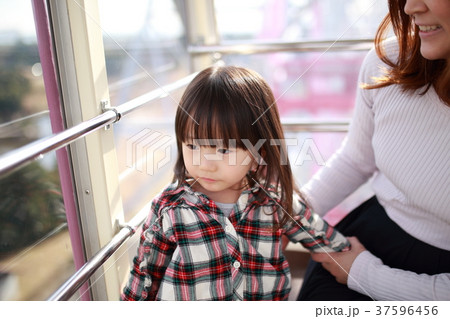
x,y
223,151
192,147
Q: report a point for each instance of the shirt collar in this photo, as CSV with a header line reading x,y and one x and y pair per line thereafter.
x,y
245,199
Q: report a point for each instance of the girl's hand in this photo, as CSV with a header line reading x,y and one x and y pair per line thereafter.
x,y
339,264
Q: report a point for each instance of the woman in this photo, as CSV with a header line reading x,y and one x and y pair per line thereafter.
x,y
400,138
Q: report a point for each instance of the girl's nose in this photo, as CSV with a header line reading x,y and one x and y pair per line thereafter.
x,y
208,158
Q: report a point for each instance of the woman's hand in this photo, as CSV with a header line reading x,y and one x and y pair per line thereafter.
x,y
339,264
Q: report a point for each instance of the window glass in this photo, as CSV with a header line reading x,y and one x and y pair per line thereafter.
x,y
147,50
35,249
307,86
298,20
144,52
312,84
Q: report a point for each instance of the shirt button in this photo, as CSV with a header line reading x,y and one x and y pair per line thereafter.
x,y
227,229
236,264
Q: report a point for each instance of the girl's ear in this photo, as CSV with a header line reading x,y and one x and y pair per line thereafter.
x,y
256,162
254,166
261,160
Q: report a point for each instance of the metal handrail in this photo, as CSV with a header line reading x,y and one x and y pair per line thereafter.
x,y
71,286
6,124
163,91
295,125
37,149
280,46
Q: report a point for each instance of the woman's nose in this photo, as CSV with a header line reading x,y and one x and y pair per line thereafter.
x,y
414,6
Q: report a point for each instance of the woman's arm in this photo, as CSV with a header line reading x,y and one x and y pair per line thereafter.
x,y
365,273
354,163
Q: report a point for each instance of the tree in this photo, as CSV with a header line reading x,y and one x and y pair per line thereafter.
x,y
30,208
13,87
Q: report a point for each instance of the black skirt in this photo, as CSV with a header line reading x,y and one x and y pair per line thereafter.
x,y
384,239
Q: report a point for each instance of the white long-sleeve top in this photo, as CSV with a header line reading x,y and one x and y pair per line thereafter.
x,y
402,139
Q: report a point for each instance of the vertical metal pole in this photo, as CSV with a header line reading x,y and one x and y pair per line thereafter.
x,y
201,30
45,45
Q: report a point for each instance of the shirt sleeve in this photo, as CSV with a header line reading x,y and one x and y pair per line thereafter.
x,y
368,275
149,265
314,233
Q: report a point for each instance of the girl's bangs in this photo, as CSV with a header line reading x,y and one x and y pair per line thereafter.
x,y
216,123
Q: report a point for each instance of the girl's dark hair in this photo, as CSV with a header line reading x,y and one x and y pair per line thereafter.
x,y
234,103
412,71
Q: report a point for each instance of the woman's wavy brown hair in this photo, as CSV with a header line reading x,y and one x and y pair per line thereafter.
x,y
412,71
233,103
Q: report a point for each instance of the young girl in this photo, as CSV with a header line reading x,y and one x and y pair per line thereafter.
x,y
215,233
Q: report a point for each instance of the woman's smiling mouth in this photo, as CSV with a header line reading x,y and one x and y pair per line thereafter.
x,y
428,28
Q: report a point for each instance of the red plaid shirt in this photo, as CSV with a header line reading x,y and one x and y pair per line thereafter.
x,y
189,250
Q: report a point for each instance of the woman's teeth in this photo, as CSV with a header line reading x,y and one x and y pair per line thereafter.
x,y
427,28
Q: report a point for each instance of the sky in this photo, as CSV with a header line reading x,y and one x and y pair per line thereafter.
x,y
121,18
16,17
129,17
